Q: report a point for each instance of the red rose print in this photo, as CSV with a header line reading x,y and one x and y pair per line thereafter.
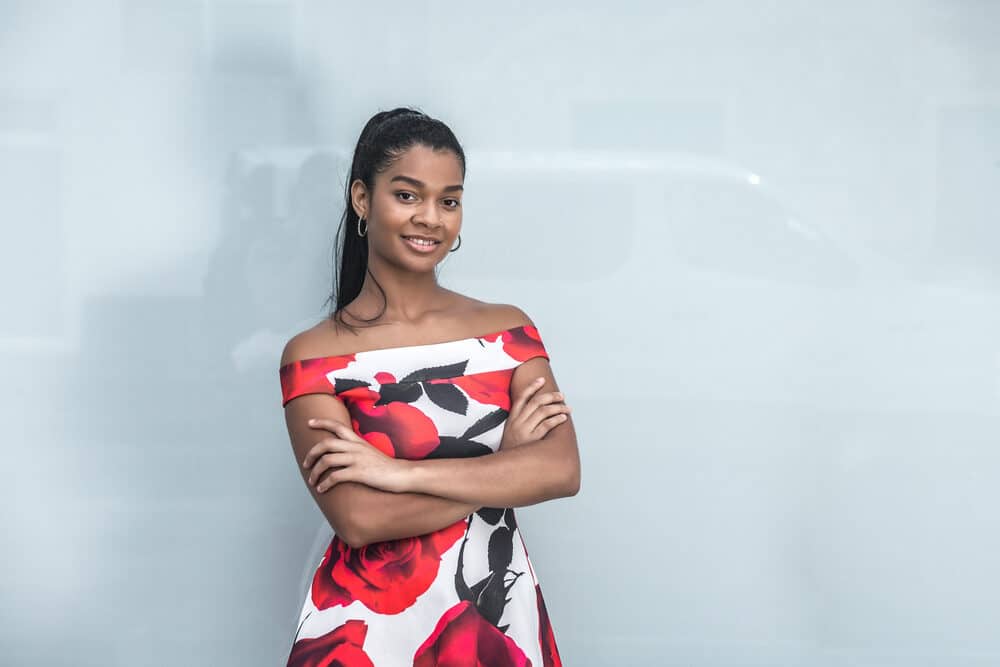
x,y
491,388
521,343
382,377
387,577
380,602
550,653
379,441
308,376
397,429
341,647
463,638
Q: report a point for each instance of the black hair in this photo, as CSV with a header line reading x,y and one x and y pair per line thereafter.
x,y
385,137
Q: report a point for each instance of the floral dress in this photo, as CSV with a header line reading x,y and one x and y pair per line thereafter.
x,y
464,595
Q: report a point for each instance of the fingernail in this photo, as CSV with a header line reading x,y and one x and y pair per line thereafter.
x,y
312,421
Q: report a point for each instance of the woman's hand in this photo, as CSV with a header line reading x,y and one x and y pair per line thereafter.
x,y
353,460
530,420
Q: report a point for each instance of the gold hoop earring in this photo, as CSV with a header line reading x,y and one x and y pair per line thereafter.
x,y
459,244
360,233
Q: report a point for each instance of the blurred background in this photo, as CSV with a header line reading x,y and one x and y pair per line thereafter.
x,y
760,241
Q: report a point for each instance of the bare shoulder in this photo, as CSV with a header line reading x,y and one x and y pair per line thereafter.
x,y
479,316
468,315
508,316
325,338
510,313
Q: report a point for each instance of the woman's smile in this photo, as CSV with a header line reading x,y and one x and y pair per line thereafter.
x,y
420,244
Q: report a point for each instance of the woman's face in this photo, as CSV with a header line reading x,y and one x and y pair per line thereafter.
x,y
419,195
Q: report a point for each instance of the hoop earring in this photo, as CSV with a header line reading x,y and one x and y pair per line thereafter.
x,y
360,233
459,244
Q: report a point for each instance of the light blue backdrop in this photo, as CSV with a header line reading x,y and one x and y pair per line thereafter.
x,y
760,241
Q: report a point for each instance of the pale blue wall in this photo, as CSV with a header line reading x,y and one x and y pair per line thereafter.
x,y
760,241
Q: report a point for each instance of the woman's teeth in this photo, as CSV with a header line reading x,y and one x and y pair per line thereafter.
x,y
420,241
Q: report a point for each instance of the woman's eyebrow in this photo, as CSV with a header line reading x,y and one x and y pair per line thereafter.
x,y
420,184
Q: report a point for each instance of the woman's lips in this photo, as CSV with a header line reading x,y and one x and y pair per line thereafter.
x,y
422,249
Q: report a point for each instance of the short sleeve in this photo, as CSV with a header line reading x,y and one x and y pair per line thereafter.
x,y
523,343
309,376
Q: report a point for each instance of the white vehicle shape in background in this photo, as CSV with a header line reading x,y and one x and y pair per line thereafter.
x,y
690,270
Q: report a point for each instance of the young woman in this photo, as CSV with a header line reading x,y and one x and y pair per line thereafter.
x,y
420,418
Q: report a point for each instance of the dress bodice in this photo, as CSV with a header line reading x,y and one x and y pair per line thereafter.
x,y
446,399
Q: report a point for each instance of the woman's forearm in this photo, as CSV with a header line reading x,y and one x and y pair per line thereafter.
x,y
383,515
525,475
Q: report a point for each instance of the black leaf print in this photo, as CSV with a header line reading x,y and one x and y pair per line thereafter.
x,y
490,515
463,416
345,384
437,372
501,550
397,391
451,447
508,518
489,594
486,423
447,396
491,597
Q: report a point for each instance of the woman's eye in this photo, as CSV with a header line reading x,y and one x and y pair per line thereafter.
x,y
457,203
404,193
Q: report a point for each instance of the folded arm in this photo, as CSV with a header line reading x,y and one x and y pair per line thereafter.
x,y
360,514
442,490
532,473
379,515
529,474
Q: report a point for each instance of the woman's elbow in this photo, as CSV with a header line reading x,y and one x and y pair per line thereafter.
x,y
352,533
572,485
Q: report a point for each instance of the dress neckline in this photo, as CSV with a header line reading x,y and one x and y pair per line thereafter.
x,y
407,347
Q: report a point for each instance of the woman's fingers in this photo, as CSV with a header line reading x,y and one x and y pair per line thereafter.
x,y
547,425
324,446
544,399
544,402
530,400
343,431
327,461
335,477
338,428
319,450
543,413
551,422
518,405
